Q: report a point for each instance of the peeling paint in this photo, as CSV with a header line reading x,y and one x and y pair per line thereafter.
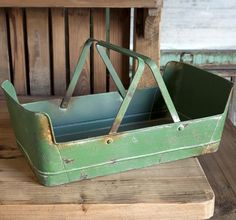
x,y
68,160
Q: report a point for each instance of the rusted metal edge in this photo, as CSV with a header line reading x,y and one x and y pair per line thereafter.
x,y
210,147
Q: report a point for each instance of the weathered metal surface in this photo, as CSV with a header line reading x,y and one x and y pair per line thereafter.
x,y
100,134
220,62
207,59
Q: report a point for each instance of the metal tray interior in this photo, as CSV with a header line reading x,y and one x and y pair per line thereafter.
x,y
192,91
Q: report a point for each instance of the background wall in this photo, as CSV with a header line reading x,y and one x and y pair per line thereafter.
x,y
198,24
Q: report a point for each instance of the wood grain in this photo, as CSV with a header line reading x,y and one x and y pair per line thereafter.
x,y
81,3
220,171
59,50
4,56
18,50
147,41
38,48
226,156
177,190
119,35
79,32
99,68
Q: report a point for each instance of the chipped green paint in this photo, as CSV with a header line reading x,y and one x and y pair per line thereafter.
x,y
210,59
83,137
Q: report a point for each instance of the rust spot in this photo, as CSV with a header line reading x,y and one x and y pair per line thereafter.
x,y
210,148
130,94
45,128
113,161
116,125
84,209
83,176
108,140
68,160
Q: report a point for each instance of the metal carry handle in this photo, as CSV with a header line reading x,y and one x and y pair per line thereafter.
x,y
127,96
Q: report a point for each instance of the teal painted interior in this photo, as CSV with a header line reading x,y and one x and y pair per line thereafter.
x,y
195,94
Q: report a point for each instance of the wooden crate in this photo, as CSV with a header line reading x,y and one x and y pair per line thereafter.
x,y
40,46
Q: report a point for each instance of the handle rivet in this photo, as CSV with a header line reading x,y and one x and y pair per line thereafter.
x,y
109,140
180,128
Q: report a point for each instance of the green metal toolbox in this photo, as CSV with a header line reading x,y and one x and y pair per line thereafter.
x,y
83,137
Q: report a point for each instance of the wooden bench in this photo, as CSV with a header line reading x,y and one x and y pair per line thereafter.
x,y
177,190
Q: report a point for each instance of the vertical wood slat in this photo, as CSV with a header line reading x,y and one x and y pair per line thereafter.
x,y
99,33
18,50
147,40
38,49
59,50
119,35
79,32
4,56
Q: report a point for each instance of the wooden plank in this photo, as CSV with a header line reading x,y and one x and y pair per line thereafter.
x,y
59,50
18,50
177,190
99,33
147,40
4,56
119,35
225,197
225,157
38,47
79,32
220,170
81,3
103,212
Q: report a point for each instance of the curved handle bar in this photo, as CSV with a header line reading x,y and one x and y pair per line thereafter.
x,y
127,96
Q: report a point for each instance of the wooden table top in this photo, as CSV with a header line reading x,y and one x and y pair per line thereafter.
x,y
177,190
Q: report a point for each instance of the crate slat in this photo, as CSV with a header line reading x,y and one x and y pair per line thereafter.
x,y
18,50
99,33
119,35
79,32
147,40
4,57
38,47
59,50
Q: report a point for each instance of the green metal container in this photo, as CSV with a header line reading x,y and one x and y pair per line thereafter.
x,y
94,135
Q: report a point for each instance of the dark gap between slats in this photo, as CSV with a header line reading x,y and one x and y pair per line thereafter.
x,y
26,52
107,28
50,41
91,55
6,11
67,55
136,29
